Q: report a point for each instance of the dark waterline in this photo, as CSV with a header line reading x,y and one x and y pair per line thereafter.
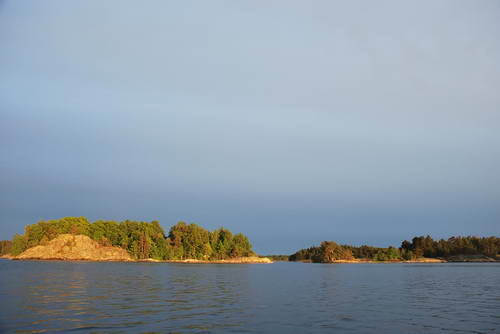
x,y
259,298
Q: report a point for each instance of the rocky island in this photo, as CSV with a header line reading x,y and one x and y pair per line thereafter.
x,y
70,247
77,239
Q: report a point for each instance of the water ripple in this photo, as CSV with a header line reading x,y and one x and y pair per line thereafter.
x,y
38,297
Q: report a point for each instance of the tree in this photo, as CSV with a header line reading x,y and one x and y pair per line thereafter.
x,y
5,247
221,241
241,246
19,244
330,252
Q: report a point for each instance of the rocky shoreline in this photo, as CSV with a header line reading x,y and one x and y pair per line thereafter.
x,y
248,260
422,260
238,260
243,260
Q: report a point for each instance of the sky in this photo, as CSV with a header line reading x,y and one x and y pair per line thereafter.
x,y
292,122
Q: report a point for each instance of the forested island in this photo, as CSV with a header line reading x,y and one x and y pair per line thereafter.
x,y
420,249
138,240
141,240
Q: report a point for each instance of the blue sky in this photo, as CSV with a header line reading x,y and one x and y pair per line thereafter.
x,y
290,121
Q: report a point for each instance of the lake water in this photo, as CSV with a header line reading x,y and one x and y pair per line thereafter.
x,y
254,298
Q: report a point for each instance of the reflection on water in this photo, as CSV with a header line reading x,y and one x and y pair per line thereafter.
x,y
280,298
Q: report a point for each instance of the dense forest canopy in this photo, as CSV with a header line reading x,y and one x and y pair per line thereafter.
x,y
419,247
328,251
454,246
189,241
141,239
278,257
5,247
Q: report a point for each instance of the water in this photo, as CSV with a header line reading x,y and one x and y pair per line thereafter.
x,y
255,298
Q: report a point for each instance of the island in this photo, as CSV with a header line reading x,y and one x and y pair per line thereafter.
x,y
420,249
78,239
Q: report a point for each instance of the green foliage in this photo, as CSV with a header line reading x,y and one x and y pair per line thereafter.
x,y
417,248
331,251
388,254
470,245
106,232
279,257
366,252
407,254
5,247
327,252
376,253
192,239
306,254
241,246
221,242
141,239
19,243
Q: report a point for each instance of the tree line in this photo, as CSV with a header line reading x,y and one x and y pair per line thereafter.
x,y
419,247
5,247
454,246
141,239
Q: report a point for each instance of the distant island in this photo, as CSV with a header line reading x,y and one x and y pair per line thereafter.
x,y
75,238
420,249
